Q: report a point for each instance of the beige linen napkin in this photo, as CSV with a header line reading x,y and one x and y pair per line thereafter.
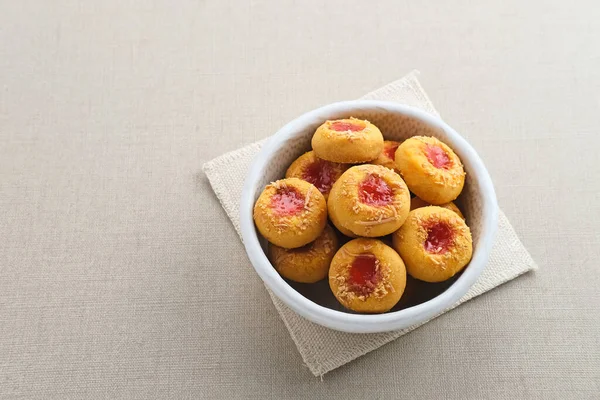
x,y
323,349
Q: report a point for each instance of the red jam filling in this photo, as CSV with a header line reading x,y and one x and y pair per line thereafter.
x,y
364,274
321,174
374,191
439,238
390,151
287,201
437,156
343,126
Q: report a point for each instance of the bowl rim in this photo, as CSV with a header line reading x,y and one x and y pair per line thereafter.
x,y
366,323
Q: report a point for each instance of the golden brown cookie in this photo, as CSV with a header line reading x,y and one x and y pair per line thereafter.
x,y
321,173
309,263
435,243
387,158
348,141
290,213
431,169
369,200
367,276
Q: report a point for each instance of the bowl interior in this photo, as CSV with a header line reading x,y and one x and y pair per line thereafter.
x,y
394,126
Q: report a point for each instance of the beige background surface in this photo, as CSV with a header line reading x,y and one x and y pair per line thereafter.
x,y
116,258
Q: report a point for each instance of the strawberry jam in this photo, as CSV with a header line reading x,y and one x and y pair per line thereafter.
x,y
321,173
287,201
374,191
364,274
439,238
390,151
343,126
437,156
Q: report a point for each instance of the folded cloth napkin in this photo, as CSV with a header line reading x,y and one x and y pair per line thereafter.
x,y
323,349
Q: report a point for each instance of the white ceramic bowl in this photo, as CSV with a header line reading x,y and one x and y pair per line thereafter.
x,y
396,122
